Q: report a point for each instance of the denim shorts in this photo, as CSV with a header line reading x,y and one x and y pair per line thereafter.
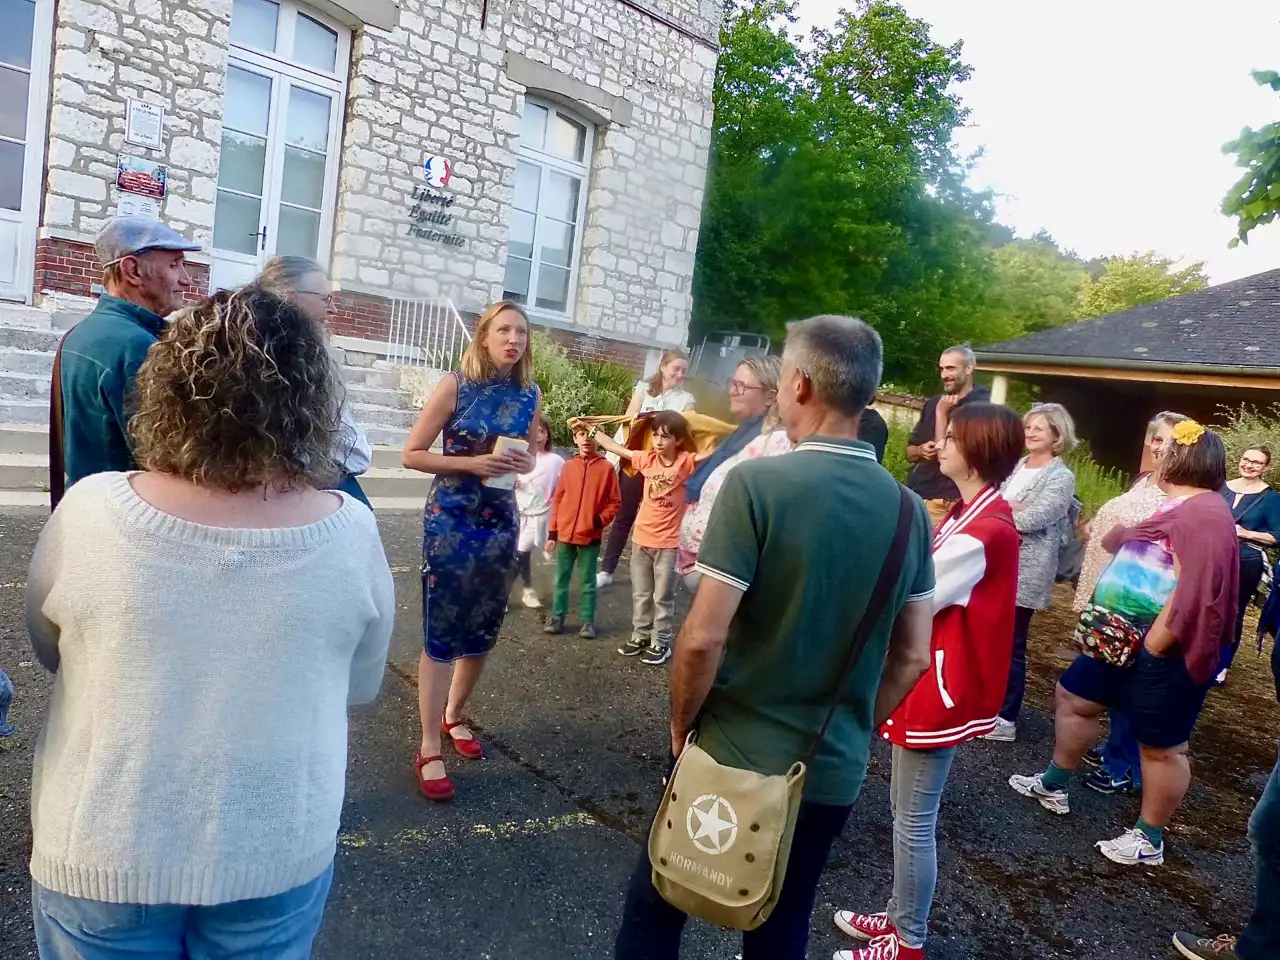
x,y
1162,701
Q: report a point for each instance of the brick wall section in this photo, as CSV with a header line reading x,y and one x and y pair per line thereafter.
x,y
582,346
68,266
360,315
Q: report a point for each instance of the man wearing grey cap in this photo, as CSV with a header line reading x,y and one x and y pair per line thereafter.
x,y
145,278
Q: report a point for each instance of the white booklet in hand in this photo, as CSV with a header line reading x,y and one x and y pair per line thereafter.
x,y
506,481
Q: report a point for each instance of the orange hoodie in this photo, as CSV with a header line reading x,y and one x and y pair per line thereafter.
x,y
587,497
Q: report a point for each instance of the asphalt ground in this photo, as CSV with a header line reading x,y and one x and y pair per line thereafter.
x,y
531,860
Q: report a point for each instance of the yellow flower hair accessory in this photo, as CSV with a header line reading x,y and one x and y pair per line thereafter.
x,y
1187,432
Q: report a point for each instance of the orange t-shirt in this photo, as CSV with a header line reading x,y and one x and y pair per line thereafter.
x,y
662,508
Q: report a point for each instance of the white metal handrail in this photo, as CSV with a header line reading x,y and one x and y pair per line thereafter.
x,y
426,333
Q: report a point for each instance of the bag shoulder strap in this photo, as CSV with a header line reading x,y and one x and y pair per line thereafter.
x,y
57,459
880,595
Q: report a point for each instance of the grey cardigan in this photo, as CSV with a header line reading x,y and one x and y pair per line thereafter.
x,y
1048,501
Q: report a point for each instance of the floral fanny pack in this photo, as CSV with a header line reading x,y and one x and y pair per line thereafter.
x,y
1108,636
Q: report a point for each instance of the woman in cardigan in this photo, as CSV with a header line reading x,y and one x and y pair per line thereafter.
x,y
1118,763
975,559
209,621
1150,641
1256,508
1039,492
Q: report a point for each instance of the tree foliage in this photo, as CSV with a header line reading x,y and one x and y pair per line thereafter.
x,y
1255,198
1137,279
1039,285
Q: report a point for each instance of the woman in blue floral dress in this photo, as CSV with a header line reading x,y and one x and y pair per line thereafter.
x,y
469,528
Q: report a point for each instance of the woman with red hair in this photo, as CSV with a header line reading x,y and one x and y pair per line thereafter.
x,y
975,558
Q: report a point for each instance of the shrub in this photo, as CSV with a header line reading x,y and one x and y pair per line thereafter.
x,y
1244,427
895,451
573,389
1095,484
611,386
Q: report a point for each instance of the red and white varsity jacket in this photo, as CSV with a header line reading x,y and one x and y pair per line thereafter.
x,y
975,559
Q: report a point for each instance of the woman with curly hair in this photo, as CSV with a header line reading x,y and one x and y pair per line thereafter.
x,y
470,526
1150,639
209,619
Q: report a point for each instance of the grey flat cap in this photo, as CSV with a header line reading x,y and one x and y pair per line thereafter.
x,y
122,237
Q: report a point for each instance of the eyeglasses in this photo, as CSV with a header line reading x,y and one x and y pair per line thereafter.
x,y
1252,462
739,386
326,297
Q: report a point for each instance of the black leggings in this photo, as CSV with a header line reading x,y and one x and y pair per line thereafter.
x,y
620,531
1250,577
525,566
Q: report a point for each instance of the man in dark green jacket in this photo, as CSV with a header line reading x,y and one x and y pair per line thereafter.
x,y
145,279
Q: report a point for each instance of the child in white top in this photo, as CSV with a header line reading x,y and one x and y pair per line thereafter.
x,y
534,491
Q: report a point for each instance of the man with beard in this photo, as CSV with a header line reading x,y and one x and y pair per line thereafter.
x,y
955,367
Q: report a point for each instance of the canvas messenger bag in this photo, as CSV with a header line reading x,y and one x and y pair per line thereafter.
x,y
722,837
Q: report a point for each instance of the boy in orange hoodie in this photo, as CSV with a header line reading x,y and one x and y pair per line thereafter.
x,y
587,497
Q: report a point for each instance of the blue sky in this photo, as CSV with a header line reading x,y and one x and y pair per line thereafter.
x,y
1103,120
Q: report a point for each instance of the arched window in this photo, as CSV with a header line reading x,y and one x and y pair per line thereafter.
x,y
277,177
549,208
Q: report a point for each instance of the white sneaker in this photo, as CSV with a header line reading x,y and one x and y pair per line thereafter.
x,y
1132,848
530,598
603,580
1005,732
1055,801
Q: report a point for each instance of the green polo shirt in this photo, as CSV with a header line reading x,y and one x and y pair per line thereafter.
x,y
804,536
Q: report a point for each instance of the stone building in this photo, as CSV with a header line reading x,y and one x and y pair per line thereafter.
x,y
549,151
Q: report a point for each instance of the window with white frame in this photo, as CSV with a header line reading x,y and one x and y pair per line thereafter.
x,y
549,208
277,178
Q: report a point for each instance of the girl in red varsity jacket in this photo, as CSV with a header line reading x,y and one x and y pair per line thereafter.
x,y
975,557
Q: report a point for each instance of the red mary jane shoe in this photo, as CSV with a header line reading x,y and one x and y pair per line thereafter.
x,y
471,749
439,789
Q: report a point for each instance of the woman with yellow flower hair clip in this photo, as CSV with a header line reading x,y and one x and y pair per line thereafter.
x,y
1150,640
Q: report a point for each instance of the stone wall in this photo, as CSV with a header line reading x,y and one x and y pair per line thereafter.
x,y
437,84
168,52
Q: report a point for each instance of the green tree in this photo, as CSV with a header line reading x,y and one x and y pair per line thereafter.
x,y
1137,279
1255,198
1038,284
834,186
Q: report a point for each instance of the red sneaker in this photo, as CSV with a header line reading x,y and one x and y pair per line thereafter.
x,y
864,926
888,947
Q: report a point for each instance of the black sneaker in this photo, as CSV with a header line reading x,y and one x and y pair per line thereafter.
x,y
588,631
1103,782
1092,758
554,625
634,647
1200,948
656,654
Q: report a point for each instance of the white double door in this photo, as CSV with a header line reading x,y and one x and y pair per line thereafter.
x,y
26,41
277,176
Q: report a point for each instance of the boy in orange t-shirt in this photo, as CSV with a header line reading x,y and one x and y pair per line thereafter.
x,y
656,534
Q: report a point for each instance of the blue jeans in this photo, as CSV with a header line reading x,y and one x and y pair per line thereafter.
x,y
1261,938
1016,688
915,794
651,927
270,928
1120,755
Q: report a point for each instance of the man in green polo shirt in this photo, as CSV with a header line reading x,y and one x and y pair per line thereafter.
x,y
792,551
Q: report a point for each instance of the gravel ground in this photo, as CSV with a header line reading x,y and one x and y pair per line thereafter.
x,y
531,860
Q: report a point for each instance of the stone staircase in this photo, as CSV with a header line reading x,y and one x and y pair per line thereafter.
x,y
29,336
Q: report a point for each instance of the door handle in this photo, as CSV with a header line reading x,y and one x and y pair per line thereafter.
x,y
262,238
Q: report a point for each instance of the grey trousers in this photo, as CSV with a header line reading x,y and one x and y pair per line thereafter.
x,y
653,591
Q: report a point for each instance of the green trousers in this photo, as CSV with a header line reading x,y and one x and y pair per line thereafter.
x,y
567,554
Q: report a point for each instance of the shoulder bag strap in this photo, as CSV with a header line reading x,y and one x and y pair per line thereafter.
x,y
57,462
880,595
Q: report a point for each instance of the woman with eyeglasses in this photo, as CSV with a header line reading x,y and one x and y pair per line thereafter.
x,y
1256,509
753,391
1039,492
305,283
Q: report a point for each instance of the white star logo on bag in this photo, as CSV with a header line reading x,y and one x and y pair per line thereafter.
x,y
717,823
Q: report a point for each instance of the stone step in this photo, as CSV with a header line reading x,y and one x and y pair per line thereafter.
x,y
377,396
24,386
28,338
24,438
386,436
24,411
373,415
26,361
21,315
386,377
396,482
24,471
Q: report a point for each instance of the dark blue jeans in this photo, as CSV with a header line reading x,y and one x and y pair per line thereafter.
x,y
1017,686
1261,938
1120,754
651,927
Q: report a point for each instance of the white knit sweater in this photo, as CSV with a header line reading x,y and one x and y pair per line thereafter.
x,y
195,750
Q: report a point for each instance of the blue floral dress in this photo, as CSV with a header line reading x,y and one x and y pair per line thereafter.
x,y
469,530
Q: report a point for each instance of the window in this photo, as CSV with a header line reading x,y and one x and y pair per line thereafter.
x,y
277,179
549,207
